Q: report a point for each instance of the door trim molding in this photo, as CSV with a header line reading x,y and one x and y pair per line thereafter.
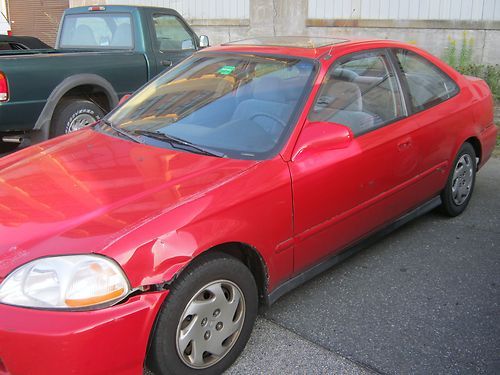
x,y
301,278
441,167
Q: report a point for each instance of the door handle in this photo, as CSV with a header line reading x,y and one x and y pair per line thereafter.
x,y
166,63
404,144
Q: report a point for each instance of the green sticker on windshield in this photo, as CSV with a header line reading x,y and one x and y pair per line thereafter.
x,y
226,69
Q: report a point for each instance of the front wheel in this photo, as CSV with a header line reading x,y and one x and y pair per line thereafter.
x,y
458,191
206,319
74,114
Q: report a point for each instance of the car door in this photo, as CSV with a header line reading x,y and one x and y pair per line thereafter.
x,y
343,195
433,103
172,39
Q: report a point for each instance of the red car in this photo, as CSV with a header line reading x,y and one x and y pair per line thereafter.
x,y
155,235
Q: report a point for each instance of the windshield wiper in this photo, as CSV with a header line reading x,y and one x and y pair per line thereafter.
x,y
178,141
120,131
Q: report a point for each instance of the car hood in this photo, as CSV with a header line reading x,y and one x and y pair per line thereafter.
x,y
80,192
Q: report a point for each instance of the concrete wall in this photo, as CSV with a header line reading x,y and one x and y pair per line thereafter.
x,y
290,17
442,10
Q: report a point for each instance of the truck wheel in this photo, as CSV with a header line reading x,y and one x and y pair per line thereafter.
x,y
74,114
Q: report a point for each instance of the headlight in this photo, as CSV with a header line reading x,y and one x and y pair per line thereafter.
x,y
65,282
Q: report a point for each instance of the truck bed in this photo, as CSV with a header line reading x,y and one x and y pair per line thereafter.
x,y
33,74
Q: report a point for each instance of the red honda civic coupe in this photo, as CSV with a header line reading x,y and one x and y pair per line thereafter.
x,y
154,236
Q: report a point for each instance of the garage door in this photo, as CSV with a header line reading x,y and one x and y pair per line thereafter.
x,y
38,18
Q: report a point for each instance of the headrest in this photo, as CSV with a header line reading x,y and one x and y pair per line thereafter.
x,y
84,36
122,36
346,95
344,74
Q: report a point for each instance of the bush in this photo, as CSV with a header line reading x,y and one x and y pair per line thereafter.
x,y
462,61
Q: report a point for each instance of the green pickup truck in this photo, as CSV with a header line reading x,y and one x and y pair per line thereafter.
x,y
102,53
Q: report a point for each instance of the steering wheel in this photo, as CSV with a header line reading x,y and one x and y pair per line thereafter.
x,y
272,117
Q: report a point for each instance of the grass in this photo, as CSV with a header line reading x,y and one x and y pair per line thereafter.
x,y
459,55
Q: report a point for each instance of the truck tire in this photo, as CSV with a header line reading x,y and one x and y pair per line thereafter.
x,y
74,114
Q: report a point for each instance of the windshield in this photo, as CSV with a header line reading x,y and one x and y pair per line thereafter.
x,y
110,31
242,106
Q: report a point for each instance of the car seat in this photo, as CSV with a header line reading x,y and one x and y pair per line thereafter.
x,y
267,99
342,103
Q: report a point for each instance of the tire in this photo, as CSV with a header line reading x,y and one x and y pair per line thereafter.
x,y
458,191
7,148
73,114
188,310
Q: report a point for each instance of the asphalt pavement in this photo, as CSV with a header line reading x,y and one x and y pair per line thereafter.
x,y
425,299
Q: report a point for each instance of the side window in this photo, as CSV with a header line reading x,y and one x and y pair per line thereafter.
x,y
361,92
427,84
171,35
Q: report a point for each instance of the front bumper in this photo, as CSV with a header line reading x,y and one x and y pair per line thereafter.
x,y
108,341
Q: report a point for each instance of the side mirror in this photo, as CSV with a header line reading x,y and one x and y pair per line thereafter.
x,y
323,136
204,42
124,99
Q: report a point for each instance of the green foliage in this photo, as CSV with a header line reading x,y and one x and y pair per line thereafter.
x,y
465,57
450,52
463,62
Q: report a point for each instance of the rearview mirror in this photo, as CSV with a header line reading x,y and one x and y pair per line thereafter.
x,y
323,136
204,42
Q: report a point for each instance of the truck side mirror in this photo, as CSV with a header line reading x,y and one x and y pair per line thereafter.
x,y
204,42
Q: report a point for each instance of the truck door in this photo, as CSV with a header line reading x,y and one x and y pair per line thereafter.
x,y
172,40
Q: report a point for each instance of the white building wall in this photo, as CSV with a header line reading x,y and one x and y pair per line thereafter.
x,y
427,23
198,9
453,10
3,7
4,25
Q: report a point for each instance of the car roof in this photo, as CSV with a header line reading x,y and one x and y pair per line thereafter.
x,y
29,41
300,46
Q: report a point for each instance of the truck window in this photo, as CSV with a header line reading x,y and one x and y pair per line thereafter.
x,y
171,35
110,31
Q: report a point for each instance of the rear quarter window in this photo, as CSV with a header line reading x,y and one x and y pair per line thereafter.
x,y
427,84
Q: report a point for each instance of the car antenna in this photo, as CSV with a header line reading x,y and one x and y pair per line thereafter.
x,y
328,55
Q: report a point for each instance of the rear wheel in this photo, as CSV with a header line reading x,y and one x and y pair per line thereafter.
x,y
74,114
207,318
458,191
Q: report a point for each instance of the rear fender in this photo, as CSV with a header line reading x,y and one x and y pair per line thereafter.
x,y
43,122
483,113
